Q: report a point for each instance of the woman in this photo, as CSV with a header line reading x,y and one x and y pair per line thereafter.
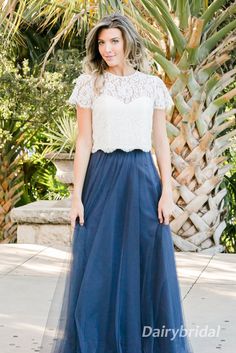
x,y
122,289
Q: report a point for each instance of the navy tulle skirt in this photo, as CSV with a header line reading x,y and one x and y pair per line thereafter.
x,y
121,291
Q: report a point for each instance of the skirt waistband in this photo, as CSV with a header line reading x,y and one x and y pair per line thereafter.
x,y
121,151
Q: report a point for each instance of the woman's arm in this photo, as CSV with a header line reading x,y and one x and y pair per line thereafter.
x,y
81,159
162,152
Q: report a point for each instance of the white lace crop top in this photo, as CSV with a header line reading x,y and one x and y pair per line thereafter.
x,y
122,115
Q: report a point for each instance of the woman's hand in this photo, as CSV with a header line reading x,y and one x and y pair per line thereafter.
x,y
165,207
77,210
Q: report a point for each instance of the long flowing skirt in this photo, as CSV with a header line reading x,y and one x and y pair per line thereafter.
x,y
122,293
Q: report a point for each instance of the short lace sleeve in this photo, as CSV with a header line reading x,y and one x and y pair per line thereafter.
x,y
163,99
82,93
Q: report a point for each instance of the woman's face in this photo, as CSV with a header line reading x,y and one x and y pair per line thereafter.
x,y
111,46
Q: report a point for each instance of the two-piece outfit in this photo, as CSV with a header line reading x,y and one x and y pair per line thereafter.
x,y
122,285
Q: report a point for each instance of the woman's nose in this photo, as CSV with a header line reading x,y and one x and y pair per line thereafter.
x,y
107,48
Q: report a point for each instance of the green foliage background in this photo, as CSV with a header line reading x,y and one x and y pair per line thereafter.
x,y
31,102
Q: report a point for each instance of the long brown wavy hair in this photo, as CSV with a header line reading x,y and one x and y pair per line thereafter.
x,y
134,49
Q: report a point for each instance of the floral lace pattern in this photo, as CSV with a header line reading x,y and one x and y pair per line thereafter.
x,y
123,112
125,88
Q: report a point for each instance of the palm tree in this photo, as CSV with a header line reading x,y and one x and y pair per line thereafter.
x,y
11,178
191,43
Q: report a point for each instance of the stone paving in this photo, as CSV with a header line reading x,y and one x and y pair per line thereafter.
x,y
29,274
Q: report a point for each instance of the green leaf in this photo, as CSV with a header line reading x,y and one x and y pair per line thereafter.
x,y
211,42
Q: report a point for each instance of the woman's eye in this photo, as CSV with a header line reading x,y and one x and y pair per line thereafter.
x,y
114,41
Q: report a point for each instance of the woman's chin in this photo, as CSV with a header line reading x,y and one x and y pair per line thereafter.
x,y
111,64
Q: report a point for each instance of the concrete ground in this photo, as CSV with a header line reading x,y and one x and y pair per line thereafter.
x,y
29,274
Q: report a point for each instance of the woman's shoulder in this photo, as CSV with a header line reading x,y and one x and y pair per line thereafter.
x,y
84,78
154,78
151,78
82,93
